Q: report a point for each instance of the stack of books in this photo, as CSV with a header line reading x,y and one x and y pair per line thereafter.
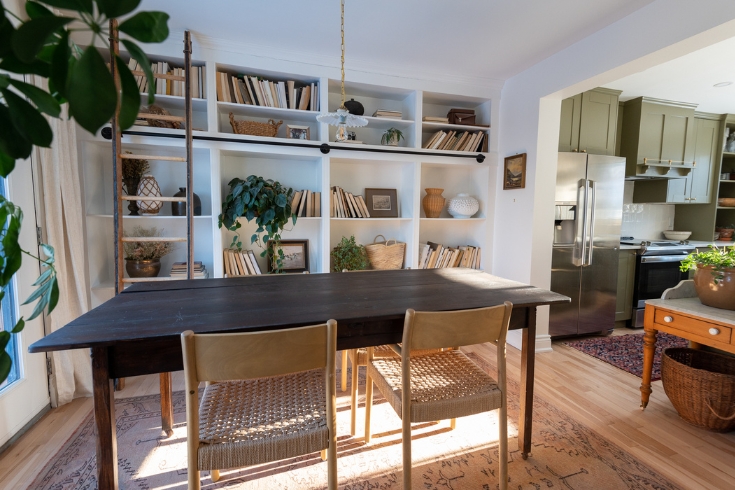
x,y
444,120
388,114
178,270
240,263
171,87
307,204
252,90
436,256
346,205
458,141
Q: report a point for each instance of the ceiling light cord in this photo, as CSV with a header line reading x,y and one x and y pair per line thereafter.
x,y
342,106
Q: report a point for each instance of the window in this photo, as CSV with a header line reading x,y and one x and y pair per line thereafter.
x,y
7,322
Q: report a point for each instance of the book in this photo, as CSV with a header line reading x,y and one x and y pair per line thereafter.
x,y
363,206
318,204
246,260
423,254
240,263
236,90
439,140
309,204
295,201
304,103
302,204
253,261
436,119
291,94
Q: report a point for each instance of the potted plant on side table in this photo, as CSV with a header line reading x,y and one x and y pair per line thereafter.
x,y
349,256
714,276
143,259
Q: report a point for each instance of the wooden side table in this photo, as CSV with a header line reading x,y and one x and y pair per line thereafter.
x,y
679,312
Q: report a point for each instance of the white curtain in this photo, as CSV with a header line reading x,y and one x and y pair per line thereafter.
x,y
62,218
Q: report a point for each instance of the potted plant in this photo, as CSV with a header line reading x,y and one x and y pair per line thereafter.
x,y
391,137
349,256
132,171
143,259
266,201
726,232
714,276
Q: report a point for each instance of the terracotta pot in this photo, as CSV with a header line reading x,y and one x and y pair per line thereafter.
x,y
720,295
726,233
143,268
433,202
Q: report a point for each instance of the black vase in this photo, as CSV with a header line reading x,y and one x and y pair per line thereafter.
x,y
179,208
354,107
131,189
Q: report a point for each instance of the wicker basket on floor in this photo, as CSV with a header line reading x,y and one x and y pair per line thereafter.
x,y
384,255
254,128
701,386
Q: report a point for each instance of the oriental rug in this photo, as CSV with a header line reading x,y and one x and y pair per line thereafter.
x,y
626,351
566,454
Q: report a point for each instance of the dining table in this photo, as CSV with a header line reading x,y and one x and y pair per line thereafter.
x,y
138,332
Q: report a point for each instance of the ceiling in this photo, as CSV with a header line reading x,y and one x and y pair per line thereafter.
x,y
474,38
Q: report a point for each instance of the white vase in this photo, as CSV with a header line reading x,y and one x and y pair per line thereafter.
x,y
463,206
148,187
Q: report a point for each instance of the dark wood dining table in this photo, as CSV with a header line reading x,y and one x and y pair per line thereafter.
x,y
138,331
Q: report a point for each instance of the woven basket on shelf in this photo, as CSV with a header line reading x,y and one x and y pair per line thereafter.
x,y
701,386
383,255
254,128
154,109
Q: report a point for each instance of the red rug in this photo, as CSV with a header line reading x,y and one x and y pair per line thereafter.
x,y
626,351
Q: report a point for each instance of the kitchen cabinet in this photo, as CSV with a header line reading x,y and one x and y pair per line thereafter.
x,y
626,276
589,122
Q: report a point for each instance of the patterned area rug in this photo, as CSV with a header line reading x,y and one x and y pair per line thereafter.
x,y
626,351
566,454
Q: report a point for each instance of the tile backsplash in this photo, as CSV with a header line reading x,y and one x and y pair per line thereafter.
x,y
645,221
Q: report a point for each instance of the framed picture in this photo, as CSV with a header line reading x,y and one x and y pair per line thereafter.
x,y
515,172
298,132
296,255
382,203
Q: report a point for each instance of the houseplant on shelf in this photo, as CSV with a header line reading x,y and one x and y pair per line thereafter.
x,y
349,256
143,259
391,137
132,171
714,276
726,232
266,201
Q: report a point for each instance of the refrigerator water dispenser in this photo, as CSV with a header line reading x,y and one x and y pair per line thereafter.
x,y
564,217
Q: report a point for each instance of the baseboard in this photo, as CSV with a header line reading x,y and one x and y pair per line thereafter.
x,y
25,428
543,342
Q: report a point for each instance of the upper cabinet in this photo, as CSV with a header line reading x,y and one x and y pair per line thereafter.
x,y
589,122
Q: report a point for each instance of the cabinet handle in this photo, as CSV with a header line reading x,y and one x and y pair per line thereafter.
x,y
668,319
575,150
687,198
584,151
693,199
714,331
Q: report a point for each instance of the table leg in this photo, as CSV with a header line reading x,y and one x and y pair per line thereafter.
x,y
649,348
104,419
528,359
167,406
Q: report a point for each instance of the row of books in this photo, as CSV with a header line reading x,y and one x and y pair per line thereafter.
x,y
171,87
458,141
346,205
178,270
240,263
307,204
436,119
251,90
436,256
388,114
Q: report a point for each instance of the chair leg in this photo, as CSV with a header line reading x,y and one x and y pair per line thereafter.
x,y
332,464
323,454
343,386
452,424
368,405
503,447
353,400
194,481
406,435
214,475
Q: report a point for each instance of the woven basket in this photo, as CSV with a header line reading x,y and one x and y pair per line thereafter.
x,y
255,128
383,255
154,109
701,386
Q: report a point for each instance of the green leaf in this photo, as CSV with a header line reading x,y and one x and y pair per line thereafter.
x,y
6,363
145,64
27,120
4,339
43,277
91,91
12,143
36,10
54,297
7,163
48,251
76,5
43,100
12,64
130,99
6,35
147,27
60,65
40,291
254,238
281,200
19,326
31,36
116,8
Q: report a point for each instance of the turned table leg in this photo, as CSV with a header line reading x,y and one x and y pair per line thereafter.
x,y
167,407
649,348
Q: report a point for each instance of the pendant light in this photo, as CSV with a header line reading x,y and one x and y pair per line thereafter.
x,y
342,118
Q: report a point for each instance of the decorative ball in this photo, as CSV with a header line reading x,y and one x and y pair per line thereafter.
x,y
463,206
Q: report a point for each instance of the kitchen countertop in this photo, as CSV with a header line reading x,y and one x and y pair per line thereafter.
x,y
697,244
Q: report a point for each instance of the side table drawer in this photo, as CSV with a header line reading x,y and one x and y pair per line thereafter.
x,y
713,331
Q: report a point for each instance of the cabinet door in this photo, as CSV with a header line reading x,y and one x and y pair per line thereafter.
x,y
705,154
679,189
679,136
598,123
571,109
626,276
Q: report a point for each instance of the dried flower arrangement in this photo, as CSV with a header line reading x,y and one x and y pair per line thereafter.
x,y
146,250
134,168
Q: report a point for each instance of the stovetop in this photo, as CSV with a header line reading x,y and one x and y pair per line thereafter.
x,y
659,247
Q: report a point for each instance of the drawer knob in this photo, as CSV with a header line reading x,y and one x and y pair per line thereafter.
x,y
668,319
714,331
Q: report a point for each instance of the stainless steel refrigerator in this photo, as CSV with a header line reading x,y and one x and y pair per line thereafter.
x,y
584,265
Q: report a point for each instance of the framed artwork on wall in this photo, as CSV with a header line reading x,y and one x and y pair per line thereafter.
x,y
296,255
514,176
382,203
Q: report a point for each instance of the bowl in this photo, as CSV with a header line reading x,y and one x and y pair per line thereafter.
x,y
727,202
677,235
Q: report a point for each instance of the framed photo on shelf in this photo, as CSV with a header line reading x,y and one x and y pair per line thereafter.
x,y
382,203
515,172
296,255
298,132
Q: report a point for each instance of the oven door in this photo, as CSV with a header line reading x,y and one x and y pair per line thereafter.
x,y
654,275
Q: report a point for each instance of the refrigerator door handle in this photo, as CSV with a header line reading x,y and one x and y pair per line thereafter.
x,y
593,193
580,238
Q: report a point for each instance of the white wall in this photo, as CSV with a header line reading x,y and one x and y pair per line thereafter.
x,y
529,121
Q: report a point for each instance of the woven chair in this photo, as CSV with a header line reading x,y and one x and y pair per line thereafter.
x,y
445,384
275,402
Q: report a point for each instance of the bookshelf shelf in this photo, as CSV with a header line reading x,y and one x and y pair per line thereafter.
x,y
267,112
175,102
435,126
456,220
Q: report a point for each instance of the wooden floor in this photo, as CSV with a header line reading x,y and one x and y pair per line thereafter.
x,y
603,397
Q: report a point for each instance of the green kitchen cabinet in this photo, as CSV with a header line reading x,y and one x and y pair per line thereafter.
x,y
589,122
626,275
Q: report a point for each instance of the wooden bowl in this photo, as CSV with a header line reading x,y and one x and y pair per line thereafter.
x,y
726,202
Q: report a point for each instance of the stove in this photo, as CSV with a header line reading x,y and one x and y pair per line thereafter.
x,y
660,247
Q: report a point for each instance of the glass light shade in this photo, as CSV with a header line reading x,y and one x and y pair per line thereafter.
x,y
343,120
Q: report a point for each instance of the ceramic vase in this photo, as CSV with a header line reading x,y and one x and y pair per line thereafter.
x,y
179,208
148,187
433,202
131,189
463,206
719,294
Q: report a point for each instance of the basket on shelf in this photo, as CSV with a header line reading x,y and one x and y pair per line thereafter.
x,y
160,111
701,386
254,128
383,255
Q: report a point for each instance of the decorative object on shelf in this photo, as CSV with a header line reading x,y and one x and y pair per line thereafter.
x,y
148,187
433,202
349,256
342,118
463,206
298,132
730,146
179,208
726,232
382,203
461,116
714,278
515,172
132,171
387,113
726,202
391,137
143,259
266,201
156,123
677,235
254,128
293,256
384,255
354,107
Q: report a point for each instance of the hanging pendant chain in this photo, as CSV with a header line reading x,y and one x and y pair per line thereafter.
x,y
343,54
